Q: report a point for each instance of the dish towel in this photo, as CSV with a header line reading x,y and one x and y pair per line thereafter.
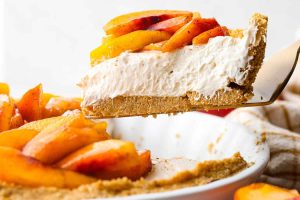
x,y
281,124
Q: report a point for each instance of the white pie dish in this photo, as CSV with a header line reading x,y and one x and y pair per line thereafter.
x,y
190,135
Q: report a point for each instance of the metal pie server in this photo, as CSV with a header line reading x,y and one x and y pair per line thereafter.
x,y
274,76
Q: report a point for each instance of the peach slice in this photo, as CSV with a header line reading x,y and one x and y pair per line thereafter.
x,y
108,159
108,37
140,20
57,106
133,170
171,25
262,191
18,169
196,15
129,42
46,98
4,88
6,111
145,163
16,120
203,38
186,33
30,104
50,123
154,46
52,144
16,138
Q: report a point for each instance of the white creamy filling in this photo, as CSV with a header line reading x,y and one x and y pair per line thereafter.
x,y
201,68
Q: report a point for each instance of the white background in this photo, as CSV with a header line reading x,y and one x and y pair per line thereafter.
x,y
48,41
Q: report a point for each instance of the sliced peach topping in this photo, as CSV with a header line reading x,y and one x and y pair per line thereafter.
x,y
4,88
262,191
196,15
46,98
30,104
108,159
16,120
130,42
57,106
108,38
52,144
50,123
19,169
16,138
186,33
154,46
171,25
6,111
203,38
140,20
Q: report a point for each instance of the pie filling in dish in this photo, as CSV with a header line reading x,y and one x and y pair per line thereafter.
x,y
171,61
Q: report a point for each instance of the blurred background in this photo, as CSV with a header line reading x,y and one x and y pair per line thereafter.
x,y
49,41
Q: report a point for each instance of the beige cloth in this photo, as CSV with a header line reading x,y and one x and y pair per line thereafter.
x,y
281,124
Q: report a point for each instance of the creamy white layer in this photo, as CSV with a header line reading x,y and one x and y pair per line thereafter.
x,y
201,68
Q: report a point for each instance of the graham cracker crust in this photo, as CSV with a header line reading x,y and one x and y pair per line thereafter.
x,y
122,106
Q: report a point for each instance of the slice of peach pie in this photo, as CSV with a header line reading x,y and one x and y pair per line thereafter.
x,y
165,61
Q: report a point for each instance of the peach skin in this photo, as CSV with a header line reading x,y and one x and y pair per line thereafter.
x,y
130,22
171,25
19,169
186,33
130,42
51,145
203,38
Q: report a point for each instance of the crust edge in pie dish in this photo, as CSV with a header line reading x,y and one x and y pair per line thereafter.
x,y
203,173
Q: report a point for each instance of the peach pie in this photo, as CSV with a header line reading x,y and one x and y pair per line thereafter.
x,y
166,61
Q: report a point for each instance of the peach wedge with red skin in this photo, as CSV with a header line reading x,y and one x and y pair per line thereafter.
x,y
133,170
130,42
186,33
19,169
262,191
108,159
6,111
30,104
171,25
51,145
203,38
130,22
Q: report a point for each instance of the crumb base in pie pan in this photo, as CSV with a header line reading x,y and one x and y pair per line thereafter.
x,y
193,137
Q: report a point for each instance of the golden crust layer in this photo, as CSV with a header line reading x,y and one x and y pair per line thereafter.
x,y
148,105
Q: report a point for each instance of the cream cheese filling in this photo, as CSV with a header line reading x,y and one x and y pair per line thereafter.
x,y
204,69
